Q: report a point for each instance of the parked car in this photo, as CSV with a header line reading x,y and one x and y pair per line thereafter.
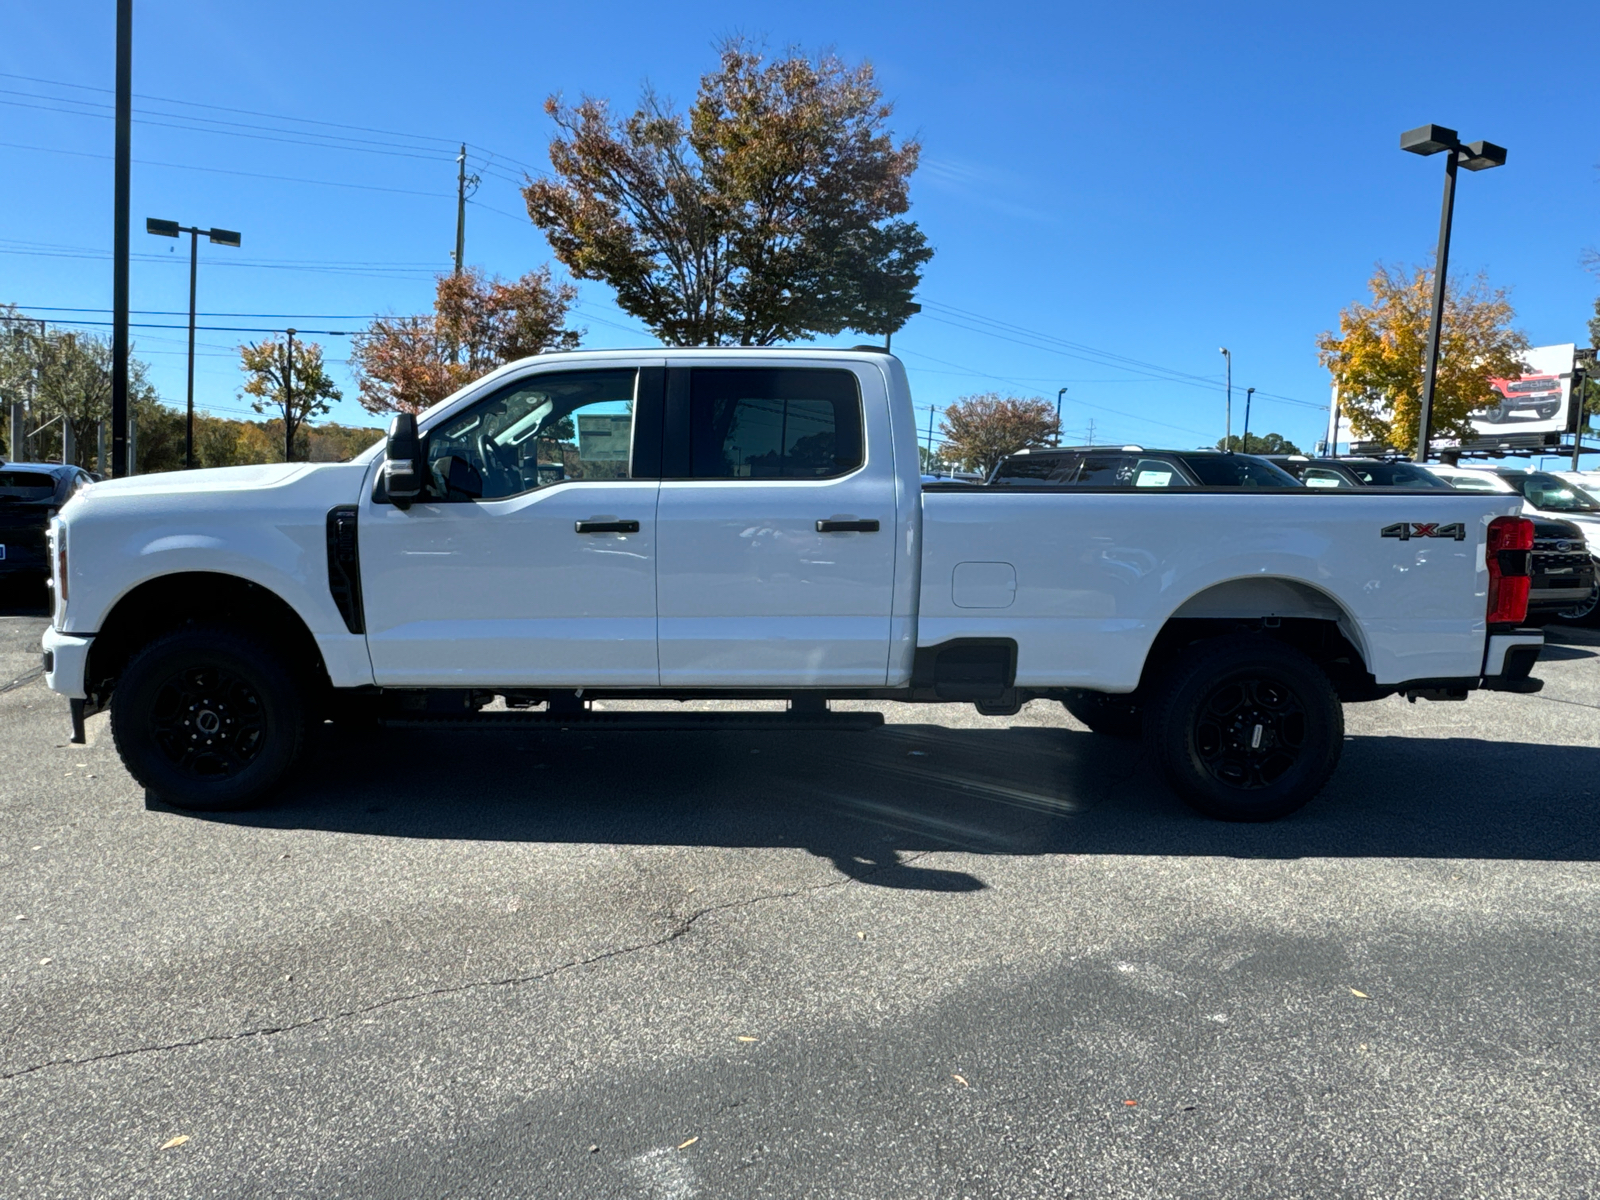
x,y
1564,582
761,532
1356,472
30,494
1135,467
1554,502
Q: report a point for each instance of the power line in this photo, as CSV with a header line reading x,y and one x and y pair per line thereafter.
x,y
167,312
145,162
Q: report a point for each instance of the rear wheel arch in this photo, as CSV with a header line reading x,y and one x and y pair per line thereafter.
x,y
171,602
1287,610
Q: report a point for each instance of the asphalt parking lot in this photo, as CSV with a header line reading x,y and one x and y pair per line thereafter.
x,y
957,957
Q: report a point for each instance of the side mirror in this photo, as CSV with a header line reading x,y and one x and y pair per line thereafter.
x,y
462,480
402,474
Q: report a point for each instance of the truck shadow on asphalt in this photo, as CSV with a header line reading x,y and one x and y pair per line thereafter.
x,y
872,803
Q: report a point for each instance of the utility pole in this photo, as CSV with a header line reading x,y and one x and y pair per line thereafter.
x,y
461,207
120,244
1227,428
288,401
1091,431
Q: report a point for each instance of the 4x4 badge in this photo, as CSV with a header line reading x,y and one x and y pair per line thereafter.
x,y
1406,530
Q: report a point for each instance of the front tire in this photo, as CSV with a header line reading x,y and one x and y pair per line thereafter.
x,y
1245,728
1586,614
207,719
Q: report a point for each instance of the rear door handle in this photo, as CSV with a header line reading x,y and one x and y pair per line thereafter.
x,y
847,527
607,527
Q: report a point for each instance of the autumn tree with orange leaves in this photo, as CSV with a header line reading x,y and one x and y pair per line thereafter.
x,y
770,211
478,323
979,431
1377,357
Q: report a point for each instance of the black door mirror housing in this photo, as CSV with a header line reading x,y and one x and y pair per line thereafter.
x,y
402,472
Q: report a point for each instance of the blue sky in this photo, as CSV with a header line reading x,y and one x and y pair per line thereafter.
x,y
1114,191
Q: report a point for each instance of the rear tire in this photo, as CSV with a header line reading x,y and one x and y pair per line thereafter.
x,y
1245,728
208,719
1114,716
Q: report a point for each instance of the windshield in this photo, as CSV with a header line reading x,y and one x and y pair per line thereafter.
x,y
1238,470
1553,494
26,485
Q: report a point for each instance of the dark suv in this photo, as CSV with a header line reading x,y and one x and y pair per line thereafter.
x,y
30,494
1563,582
1135,467
1357,472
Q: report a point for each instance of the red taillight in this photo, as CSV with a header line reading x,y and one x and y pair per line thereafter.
x,y
1509,558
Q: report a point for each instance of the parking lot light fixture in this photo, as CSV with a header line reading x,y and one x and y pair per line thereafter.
x,y
217,237
1060,392
1474,156
1227,426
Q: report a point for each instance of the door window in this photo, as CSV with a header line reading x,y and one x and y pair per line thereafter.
x,y
773,423
1324,477
553,428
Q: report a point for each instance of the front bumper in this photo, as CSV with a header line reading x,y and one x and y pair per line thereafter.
x,y
66,659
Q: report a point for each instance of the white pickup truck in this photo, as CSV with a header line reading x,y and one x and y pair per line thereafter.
x,y
740,524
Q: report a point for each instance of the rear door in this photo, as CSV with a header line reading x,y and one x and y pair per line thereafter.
x,y
776,527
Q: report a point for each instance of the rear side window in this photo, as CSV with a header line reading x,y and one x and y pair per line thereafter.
x,y
1399,475
1037,470
773,423
1238,470
27,485
1324,477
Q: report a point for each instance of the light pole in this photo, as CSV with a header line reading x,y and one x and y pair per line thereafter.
x,y
220,237
1244,443
1059,393
1475,156
1227,429
288,400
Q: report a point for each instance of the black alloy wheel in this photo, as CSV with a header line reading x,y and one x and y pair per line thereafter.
x,y
1244,728
207,718
209,722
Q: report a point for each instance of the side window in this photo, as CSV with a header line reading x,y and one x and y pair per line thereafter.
x,y
1038,470
773,423
1322,477
1106,470
1157,473
568,425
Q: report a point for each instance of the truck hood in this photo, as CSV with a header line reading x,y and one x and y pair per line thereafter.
x,y
212,479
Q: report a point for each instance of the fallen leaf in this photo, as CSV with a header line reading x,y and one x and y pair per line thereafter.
x,y
45,962
960,1080
175,1142
1359,995
690,1142
594,1149
744,1038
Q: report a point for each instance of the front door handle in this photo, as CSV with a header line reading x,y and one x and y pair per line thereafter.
x,y
847,527
607,527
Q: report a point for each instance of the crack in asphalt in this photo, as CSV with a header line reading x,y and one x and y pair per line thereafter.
x,y
678,931
25,678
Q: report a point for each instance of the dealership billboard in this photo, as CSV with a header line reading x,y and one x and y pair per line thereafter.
x,y
1538,401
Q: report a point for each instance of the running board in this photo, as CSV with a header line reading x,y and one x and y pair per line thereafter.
x,y
849,722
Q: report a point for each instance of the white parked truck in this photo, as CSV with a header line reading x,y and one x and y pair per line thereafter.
x,y
751,524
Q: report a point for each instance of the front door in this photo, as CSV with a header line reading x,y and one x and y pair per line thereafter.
x,y
547,578
777,539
